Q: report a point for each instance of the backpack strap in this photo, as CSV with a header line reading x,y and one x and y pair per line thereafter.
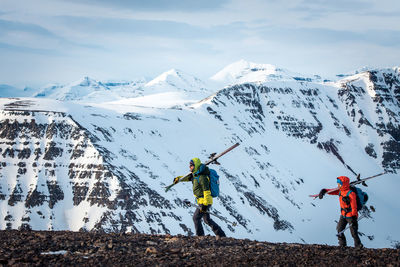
x,y
349,209
198,176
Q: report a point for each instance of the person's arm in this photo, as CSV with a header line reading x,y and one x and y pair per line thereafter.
x,y
324,191
335,192
207,199
186,179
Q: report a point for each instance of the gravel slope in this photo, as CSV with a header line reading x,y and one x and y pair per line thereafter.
x,y
33,248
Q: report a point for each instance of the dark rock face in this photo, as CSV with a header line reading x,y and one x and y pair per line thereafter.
x,y
31,248
385,96
62,158
311,105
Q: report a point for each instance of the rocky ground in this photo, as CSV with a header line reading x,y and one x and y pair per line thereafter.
x,y
33,248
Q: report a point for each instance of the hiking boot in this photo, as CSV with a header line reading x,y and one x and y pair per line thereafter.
x,y
222,235
360,246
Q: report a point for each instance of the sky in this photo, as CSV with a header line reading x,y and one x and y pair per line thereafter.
x,y
60,41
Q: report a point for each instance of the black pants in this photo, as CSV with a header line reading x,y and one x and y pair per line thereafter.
x,y
353,229
197,216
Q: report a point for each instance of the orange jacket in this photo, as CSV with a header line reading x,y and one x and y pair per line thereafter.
x,y
348,209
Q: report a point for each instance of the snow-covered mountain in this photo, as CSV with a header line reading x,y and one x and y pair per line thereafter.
x,y
173,88
248,72
11,91
103,167
175,80
90,90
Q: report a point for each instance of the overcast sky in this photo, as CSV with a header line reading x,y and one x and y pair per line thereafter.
x,y
45,41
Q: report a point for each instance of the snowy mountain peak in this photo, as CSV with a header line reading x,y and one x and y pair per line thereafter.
x,y
87,81
243,71
175,80
365,70
165,77
373,75
85,88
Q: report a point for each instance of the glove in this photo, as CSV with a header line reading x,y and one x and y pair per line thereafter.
x,y
176,179
322,193
203,208
187,202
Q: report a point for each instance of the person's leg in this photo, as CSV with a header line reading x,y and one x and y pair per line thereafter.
x,y
354,233
214,226
197,222
340,227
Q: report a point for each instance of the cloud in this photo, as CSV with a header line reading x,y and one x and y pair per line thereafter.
x,y
117,38
33,38
26,50
133,28
322,36
160,5
13,26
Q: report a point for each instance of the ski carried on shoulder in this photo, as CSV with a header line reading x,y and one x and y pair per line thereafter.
x,y
358,181
213,159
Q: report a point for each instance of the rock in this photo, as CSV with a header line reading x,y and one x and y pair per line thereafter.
x,y
172,240
151,250
175,250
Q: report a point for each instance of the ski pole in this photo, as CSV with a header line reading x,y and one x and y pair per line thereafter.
x,y
223,218
359,218
213,159
341,232
211,213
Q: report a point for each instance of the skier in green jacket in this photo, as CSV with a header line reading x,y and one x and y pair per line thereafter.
x,y
201,190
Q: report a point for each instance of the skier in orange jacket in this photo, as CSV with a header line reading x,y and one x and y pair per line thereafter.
x,y
348,210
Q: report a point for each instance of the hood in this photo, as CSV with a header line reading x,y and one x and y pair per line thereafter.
x,y
197,164
345,181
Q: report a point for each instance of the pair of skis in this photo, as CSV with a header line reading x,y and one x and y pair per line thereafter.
x,y
358,181
213,159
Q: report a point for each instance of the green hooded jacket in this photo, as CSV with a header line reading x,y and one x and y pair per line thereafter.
x,y
201,183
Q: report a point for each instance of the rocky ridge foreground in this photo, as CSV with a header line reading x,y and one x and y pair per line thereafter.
x,y
63,248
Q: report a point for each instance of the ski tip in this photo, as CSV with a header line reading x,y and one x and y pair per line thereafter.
x,y
372,208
